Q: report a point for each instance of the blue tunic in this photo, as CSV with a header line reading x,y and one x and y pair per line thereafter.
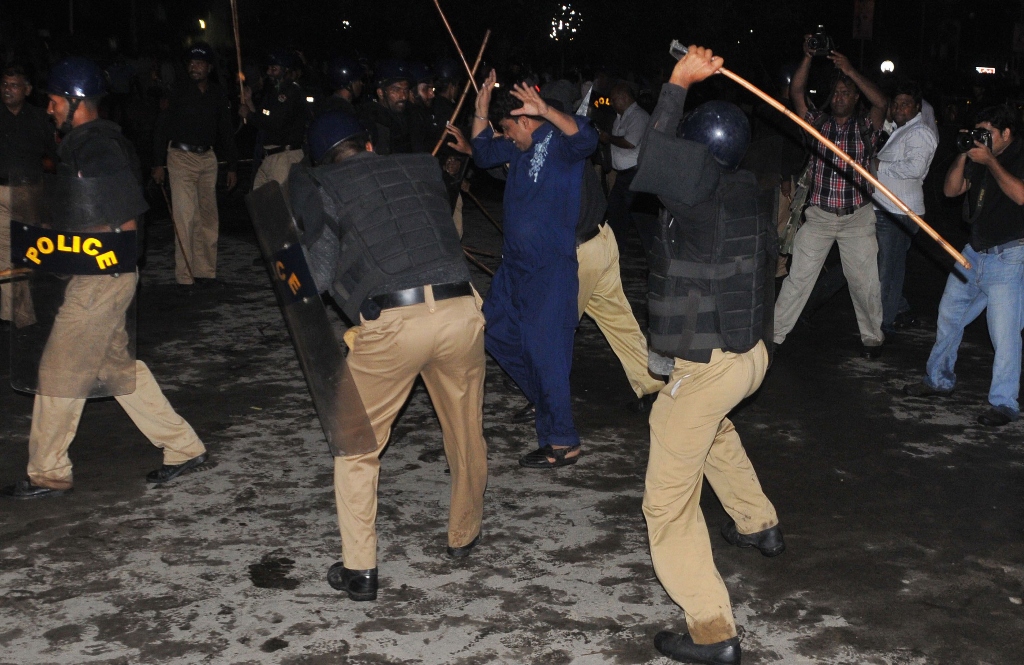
x,y
531,306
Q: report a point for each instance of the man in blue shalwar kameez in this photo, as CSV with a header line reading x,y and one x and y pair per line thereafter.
x,y
531,309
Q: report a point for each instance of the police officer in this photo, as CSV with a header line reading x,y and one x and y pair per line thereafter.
x,y
387,116
447,87
88,340
426,127
281,117
26,139
346,78
197,122
403,280
711,285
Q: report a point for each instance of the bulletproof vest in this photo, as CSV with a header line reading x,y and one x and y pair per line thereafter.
x,y
593,205
98,180
395,228
711,272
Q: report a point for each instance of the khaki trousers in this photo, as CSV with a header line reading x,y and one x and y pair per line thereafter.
x,y
24,315
457,215
444,343
602,299
276,167
193,180
858,250
89,342
691,439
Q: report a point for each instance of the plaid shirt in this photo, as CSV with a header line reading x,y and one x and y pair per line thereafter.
x,y
834,183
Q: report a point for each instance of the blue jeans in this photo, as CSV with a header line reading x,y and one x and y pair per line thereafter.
x,y
894,233
995,282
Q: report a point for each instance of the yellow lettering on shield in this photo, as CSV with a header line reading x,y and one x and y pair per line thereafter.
x,y
32,254
106,260
45,245
62,245
294,283
92,246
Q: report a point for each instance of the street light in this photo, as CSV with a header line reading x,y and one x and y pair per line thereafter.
x,y
566,23
202,24
888,67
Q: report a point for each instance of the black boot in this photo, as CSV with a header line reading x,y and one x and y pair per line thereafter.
x,y
358,584
769,541
682,648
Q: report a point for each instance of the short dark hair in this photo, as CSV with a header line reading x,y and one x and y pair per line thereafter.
x,y
1001,117
347,148
15,70
848,82
502,105
622,87
909,88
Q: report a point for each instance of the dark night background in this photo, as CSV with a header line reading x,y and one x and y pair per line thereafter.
x,y
937,41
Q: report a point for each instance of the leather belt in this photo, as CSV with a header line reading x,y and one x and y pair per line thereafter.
x,y
280,148
590,235
198,149
999,249
374,305
842,212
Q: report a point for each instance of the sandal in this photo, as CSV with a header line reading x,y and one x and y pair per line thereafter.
x,y
539,459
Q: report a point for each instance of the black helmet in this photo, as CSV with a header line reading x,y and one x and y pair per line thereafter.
x,y
328,130
723,128
447,69
201,51
282,57
389,71
342,71
76,78
420,73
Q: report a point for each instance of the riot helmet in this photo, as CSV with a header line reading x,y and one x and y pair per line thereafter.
x,y
328,130
76,79
342,71
722,127
447,70
420,73
282,57
390,71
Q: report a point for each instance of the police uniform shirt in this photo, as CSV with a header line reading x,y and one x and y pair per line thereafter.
x,y
25,139
282,115
390,131
197,118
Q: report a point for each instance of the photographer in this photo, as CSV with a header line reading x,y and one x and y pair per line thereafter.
x,y
990,173
838,201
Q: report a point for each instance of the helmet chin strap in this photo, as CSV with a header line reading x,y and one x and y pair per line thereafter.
x,y
73,103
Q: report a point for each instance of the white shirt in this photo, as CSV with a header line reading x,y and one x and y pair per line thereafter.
x,y
903,164
630,126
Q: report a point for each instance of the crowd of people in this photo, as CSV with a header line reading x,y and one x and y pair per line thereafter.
x,y
373,169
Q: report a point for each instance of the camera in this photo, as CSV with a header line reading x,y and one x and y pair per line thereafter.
x,y
965,139
820,43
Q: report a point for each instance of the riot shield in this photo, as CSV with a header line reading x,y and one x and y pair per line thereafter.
x,y
334,392
73,333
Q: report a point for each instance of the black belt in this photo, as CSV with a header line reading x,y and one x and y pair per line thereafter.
x,y
842,212
590,235
999,249
374,305
280,148
198,149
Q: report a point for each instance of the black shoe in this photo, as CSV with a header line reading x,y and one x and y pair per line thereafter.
x,y
541,458
769,541
870,352
681,648
172,471
995,417
904,321
208,283
463,552
358,584
922,389
24,489
642,405
527,414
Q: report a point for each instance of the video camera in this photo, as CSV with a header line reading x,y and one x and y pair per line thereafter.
x,y
820,43
966,138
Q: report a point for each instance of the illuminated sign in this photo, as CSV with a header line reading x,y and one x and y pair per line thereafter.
x,y
985,70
